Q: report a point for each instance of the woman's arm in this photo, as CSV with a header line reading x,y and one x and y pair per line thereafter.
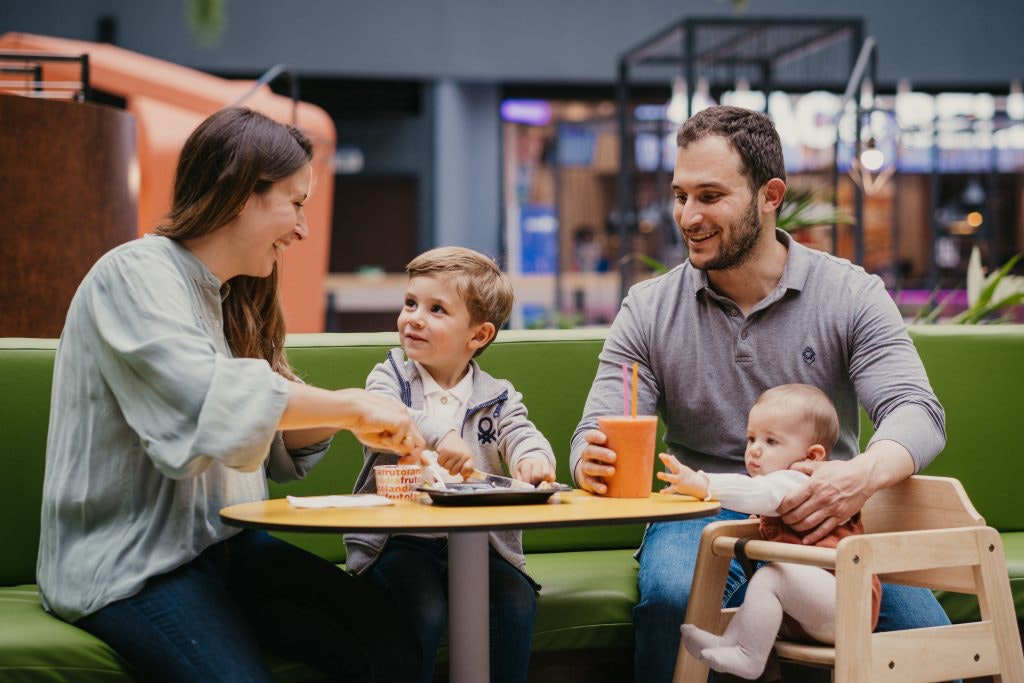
x,y
300,438
378,422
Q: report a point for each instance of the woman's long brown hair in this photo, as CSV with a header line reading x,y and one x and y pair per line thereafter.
x,y
232,155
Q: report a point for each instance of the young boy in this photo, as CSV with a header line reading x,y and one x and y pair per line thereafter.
x,y
455,302
788,424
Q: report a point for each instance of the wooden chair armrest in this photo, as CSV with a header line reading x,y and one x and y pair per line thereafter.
x,y
740,528
774,551
913,550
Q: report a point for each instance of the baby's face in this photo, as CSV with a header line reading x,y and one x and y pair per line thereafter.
x,y
775,439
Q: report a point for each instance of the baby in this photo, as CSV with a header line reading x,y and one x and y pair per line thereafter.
x,y
788,424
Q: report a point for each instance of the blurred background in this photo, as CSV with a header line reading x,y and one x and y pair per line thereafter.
x,y
538,132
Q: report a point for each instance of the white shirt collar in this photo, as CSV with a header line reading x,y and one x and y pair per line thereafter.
x,y
461,391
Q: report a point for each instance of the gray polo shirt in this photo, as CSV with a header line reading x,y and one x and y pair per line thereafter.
x,y
154,427
703,364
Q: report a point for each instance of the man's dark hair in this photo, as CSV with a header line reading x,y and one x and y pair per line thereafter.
x,y
752,134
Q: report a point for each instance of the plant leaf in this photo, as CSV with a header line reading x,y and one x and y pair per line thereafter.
x,y
975,315
990,287
975,276
804,208
652,263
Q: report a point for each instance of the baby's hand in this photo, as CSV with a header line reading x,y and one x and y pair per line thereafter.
x,y
454,455
533,470
682,479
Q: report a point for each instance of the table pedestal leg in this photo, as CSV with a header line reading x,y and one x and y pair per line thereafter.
x,y
468,607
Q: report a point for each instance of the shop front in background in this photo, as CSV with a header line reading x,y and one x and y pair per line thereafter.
x,y
945,173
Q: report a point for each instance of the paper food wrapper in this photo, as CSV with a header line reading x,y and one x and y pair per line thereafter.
x,y
362,500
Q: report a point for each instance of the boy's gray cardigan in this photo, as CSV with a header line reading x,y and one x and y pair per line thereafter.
x,y
495,427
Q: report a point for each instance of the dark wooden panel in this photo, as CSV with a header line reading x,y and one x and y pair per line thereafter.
x,y
374,223
65,200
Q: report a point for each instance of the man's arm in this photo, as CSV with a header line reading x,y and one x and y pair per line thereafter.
x,y
893,387
626,343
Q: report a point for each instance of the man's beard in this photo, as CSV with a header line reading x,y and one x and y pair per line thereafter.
x,y
743,236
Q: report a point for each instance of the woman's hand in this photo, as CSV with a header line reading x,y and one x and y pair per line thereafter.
x,y
385,424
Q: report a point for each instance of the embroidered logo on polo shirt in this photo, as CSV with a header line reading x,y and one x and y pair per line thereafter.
x,y
808,355
485,430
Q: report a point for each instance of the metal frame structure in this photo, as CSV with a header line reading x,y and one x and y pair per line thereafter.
x,y
800,54
30,63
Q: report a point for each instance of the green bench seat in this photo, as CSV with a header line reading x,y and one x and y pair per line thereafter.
x,y
588,574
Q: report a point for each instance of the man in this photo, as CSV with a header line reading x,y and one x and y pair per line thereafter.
x,y
751,309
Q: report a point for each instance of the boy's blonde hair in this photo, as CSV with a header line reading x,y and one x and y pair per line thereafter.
x,y
486,291
815,407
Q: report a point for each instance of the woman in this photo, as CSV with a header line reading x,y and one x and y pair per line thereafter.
x,y
172,398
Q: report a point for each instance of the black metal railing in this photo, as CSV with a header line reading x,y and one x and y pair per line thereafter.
x,y
30,64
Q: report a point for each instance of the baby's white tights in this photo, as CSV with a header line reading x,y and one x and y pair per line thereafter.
x,y
808,594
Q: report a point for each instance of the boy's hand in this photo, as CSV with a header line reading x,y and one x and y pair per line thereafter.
x,y
534,470
454,455
683,479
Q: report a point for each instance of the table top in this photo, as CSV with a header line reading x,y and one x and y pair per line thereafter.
x,y
571,508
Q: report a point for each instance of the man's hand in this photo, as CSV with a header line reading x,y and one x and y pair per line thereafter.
x,y
596,462
454,455
534,470
837,491
682,479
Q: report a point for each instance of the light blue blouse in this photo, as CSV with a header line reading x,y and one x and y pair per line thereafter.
x,y
154,427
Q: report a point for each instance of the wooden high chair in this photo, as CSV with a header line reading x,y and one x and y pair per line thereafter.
x,y
923,531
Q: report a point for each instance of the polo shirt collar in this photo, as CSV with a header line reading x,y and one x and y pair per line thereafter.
x,y
461,391
794,275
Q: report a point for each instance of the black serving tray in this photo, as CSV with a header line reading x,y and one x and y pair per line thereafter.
x,y
475,493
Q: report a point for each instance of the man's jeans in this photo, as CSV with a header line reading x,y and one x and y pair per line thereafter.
x,y
211,619
667,560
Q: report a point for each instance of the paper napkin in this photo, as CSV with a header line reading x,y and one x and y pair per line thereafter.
x,y
361,500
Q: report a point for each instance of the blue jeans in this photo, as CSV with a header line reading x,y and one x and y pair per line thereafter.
x,y
211,619
667,559
414,572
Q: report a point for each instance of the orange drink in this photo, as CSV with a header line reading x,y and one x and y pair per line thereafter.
x,y
632,439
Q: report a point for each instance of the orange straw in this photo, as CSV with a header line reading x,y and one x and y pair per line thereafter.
x,y
636,367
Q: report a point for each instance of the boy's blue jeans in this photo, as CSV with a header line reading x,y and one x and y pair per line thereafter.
x,y
667,560
414,572
211,619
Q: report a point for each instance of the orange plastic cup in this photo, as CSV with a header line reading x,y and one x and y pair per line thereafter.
x,y
632,439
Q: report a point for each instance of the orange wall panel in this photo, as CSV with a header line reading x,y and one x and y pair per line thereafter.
x,y
169,101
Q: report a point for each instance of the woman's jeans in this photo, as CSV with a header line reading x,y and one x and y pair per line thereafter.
x,y
211,619
667,560
414,572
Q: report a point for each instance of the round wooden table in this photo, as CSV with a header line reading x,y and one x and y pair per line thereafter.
x,y
467,529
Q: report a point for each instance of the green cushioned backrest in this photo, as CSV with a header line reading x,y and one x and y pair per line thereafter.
x,y
26,366
977,371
